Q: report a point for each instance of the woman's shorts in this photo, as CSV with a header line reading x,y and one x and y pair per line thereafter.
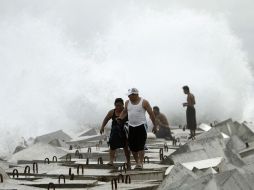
x,y
117,137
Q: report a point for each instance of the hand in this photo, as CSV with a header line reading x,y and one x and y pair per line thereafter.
x,y
185,104
102,130
158,122
154,130
119,120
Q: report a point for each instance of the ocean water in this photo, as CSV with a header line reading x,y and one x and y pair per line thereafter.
x,y
51,81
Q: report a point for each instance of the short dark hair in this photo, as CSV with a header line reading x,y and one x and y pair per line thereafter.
x,y
186,88
156,108
119,100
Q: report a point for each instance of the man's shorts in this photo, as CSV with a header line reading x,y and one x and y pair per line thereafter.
x,y
137,137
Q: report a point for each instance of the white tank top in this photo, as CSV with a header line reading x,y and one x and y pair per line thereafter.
x,y
136,114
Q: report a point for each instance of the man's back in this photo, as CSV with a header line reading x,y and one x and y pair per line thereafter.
x,y
161,120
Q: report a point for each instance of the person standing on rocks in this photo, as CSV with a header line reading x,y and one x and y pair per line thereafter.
x,y
190,112
136,108
117,137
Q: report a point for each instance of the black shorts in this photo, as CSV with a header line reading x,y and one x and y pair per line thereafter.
x,y
191,118
117,137
137,137
164,132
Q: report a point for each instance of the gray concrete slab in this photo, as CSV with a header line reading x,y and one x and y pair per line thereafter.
x,y
196,165
134,185
68,183
37,151
46,138
84,139
234,128
11,185
177,176
236,143
233,180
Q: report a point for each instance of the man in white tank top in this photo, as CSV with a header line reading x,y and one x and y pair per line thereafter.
x,y
136,108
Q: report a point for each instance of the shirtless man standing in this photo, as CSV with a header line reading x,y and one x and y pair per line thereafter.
x,y
136,108
190,112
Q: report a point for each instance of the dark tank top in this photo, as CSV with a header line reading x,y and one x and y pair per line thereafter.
x,y
114,117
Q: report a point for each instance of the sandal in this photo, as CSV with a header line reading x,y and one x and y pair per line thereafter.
x,y
138,167
190,137
110,164
128,165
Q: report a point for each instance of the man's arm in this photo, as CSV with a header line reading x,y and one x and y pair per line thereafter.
x,y
149,110
105,121
124,112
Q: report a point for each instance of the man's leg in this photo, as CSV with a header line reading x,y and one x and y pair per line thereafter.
x,y
190,134
127,156
135,155
111,156
132,140
193,134
141,155
143,136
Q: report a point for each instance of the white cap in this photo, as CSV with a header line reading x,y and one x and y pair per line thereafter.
x,y
132,91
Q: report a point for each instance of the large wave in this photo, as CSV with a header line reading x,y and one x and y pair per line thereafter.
x,y
49,83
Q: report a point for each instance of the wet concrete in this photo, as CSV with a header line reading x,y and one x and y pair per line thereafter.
x,y
218,158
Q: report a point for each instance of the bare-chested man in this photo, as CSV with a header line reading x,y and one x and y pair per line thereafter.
x,y
161,122
190,112
136,108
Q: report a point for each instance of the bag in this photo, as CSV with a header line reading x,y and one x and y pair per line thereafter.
x,y
126,129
